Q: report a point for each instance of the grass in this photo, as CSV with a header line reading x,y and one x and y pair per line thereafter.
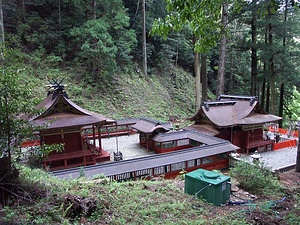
x,y
44,199
142,202
127,94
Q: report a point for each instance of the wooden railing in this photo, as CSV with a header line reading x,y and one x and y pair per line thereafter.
x,y
282,131
288,143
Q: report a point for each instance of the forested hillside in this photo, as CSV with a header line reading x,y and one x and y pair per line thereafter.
x,y
132,58
250,48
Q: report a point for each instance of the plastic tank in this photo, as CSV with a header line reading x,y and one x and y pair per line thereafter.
x,y
214,187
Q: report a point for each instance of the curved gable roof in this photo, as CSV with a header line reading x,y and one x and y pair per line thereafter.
x,y
234,110
61,112
187,134
60,104
148,126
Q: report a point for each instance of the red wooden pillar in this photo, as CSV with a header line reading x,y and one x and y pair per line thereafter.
x,y
147,141
94,136
99,139
82,138
247,142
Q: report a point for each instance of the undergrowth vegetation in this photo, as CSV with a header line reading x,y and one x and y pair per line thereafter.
x,y
126,94
43,199
255,178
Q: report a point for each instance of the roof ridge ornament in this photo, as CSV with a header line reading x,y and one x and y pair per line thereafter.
x,y
216,103
251,99
55,88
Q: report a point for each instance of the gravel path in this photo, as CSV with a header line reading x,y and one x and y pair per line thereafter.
x,y
277,159
128,145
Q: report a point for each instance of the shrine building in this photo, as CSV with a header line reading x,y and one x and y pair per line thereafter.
x,y
239,119
61,121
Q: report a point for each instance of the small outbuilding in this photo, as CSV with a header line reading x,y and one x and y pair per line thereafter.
x,y
148,128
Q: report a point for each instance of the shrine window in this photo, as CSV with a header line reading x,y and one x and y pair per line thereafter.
x,y
190,163
197,162
207,160
177,166
183,142
158,144
143,137
222,156
159,170
168,144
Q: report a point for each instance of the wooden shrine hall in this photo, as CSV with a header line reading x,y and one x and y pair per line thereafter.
x,y
148,128
61,122
238,119
162,139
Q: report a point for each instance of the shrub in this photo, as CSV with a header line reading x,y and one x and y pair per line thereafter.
x,y
255,178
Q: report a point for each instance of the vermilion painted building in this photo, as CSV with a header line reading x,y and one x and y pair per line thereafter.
x,y
62,121
210,152
239,119
148,128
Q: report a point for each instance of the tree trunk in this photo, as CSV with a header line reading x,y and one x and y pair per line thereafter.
x,y
4,175
94,7
268,99
197,76
222,57
1,30
144,38
285,20
280,109
253,49
298,152
263,95
23,10
86,11
271,67
265,98
59,14
203,77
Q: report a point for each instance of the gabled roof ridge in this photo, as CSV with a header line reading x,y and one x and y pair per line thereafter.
x,y
251,98
55,102
84,111
207,104
174,132
153,121
189,132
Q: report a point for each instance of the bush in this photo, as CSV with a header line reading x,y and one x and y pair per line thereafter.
x,y
255,178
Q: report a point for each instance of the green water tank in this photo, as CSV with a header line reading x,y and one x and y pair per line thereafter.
x,y
214,187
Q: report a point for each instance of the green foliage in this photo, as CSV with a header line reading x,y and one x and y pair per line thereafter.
x,y
50,205
292,109
104,42
254,178
15,101
292,218
202,18
97,46
40,153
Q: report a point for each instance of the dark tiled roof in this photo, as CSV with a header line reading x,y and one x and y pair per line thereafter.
x,y
234,110
125,166
187,134
203,128
61,112
127,121
146,125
